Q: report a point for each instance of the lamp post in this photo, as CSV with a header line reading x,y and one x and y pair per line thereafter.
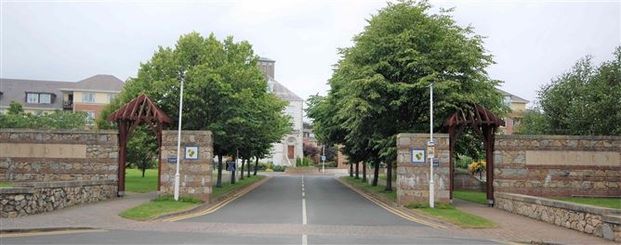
x,y
177,177
323,159
430,147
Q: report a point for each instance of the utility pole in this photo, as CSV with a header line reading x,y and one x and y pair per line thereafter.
x,y
430,148
177,176
323,159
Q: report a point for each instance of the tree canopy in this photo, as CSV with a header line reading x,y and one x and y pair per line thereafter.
x,y
379,87
225,92
583,101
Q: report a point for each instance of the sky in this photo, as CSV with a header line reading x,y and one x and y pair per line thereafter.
x,y
532,41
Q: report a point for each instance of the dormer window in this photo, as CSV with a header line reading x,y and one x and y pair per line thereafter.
x,y
39,98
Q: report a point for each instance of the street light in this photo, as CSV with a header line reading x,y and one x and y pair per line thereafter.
x,y
430,147
323,159
177,177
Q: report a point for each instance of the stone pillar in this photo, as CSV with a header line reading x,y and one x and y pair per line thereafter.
x,y
413,176
195,170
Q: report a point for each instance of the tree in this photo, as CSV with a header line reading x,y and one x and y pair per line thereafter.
x,y
583,101
54,120
15,108
379,87
222,82
142,149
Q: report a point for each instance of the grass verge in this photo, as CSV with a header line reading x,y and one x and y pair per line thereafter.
x,y
134,182
379,189
454,216
606,202
159,206
5,185
226,188
471,196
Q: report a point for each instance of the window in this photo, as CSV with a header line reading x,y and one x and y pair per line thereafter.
x,y
88,97
45,98
32,98
111,97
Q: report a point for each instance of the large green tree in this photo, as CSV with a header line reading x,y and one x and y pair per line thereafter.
x,y
584,101
380,85
222,84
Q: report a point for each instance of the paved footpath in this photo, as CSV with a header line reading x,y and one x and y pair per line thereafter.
x,y
517,228
98,215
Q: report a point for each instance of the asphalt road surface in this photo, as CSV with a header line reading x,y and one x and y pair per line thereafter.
x,y
284,210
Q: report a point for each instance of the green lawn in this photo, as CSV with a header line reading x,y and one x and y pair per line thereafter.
x,y
595,201
379,189
471,196
134,182
227,187
455,216
158,207
5,185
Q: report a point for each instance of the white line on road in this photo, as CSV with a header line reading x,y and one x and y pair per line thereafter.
x,y
304,220
304,239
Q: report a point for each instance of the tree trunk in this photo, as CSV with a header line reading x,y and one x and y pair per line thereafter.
x,y
248,168
256,165
241,173
364,172
219,177
234,170
376,173
357,169
351,170
144,169
389,176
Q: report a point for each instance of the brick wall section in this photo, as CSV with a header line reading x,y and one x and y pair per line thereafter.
x,y
60,155
465,181
195,175
34,198
413,179
601,222
558,165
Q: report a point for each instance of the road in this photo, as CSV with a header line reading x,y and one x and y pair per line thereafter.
x,y
284,210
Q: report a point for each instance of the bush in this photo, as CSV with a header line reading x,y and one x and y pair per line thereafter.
x,y
55,120
303,162
278,168
477,167
463,161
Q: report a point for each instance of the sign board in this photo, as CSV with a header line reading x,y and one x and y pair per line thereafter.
x,y
418,156
436,163
323,158
191,152
172,159
231,166
431,149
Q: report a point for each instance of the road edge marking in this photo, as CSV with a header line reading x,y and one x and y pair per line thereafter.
x,y
220,204
45,233
391,209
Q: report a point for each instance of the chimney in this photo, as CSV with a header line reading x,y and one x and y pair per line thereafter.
x,y
267,67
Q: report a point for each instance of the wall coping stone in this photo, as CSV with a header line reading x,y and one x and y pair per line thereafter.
x,y
561,137
439,135
561,204
16,190
55,184
57,131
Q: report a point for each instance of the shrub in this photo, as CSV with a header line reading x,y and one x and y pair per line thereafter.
x,y
477,167
278,168
463,161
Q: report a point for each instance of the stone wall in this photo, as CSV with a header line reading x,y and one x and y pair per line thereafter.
x,y
465,181
601,222
38,197
62,155
413,178
195,175
558,165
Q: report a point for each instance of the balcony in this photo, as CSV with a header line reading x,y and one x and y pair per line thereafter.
x,y
68,105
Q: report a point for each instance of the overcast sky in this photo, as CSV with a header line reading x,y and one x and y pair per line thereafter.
x,y
532,41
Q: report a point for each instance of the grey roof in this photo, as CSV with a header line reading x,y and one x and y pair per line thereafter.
x,y
15,89
513,97
261,58
283,92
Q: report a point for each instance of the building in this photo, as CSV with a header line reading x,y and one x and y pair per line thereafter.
x,y
290,147
517,106
89,95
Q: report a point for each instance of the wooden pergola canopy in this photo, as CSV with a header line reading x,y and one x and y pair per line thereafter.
x,y
140,109
473,115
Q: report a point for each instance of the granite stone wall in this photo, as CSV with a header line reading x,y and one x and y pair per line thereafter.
x,y
38,197
61,155
558,165
195,175
601,222
413,178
